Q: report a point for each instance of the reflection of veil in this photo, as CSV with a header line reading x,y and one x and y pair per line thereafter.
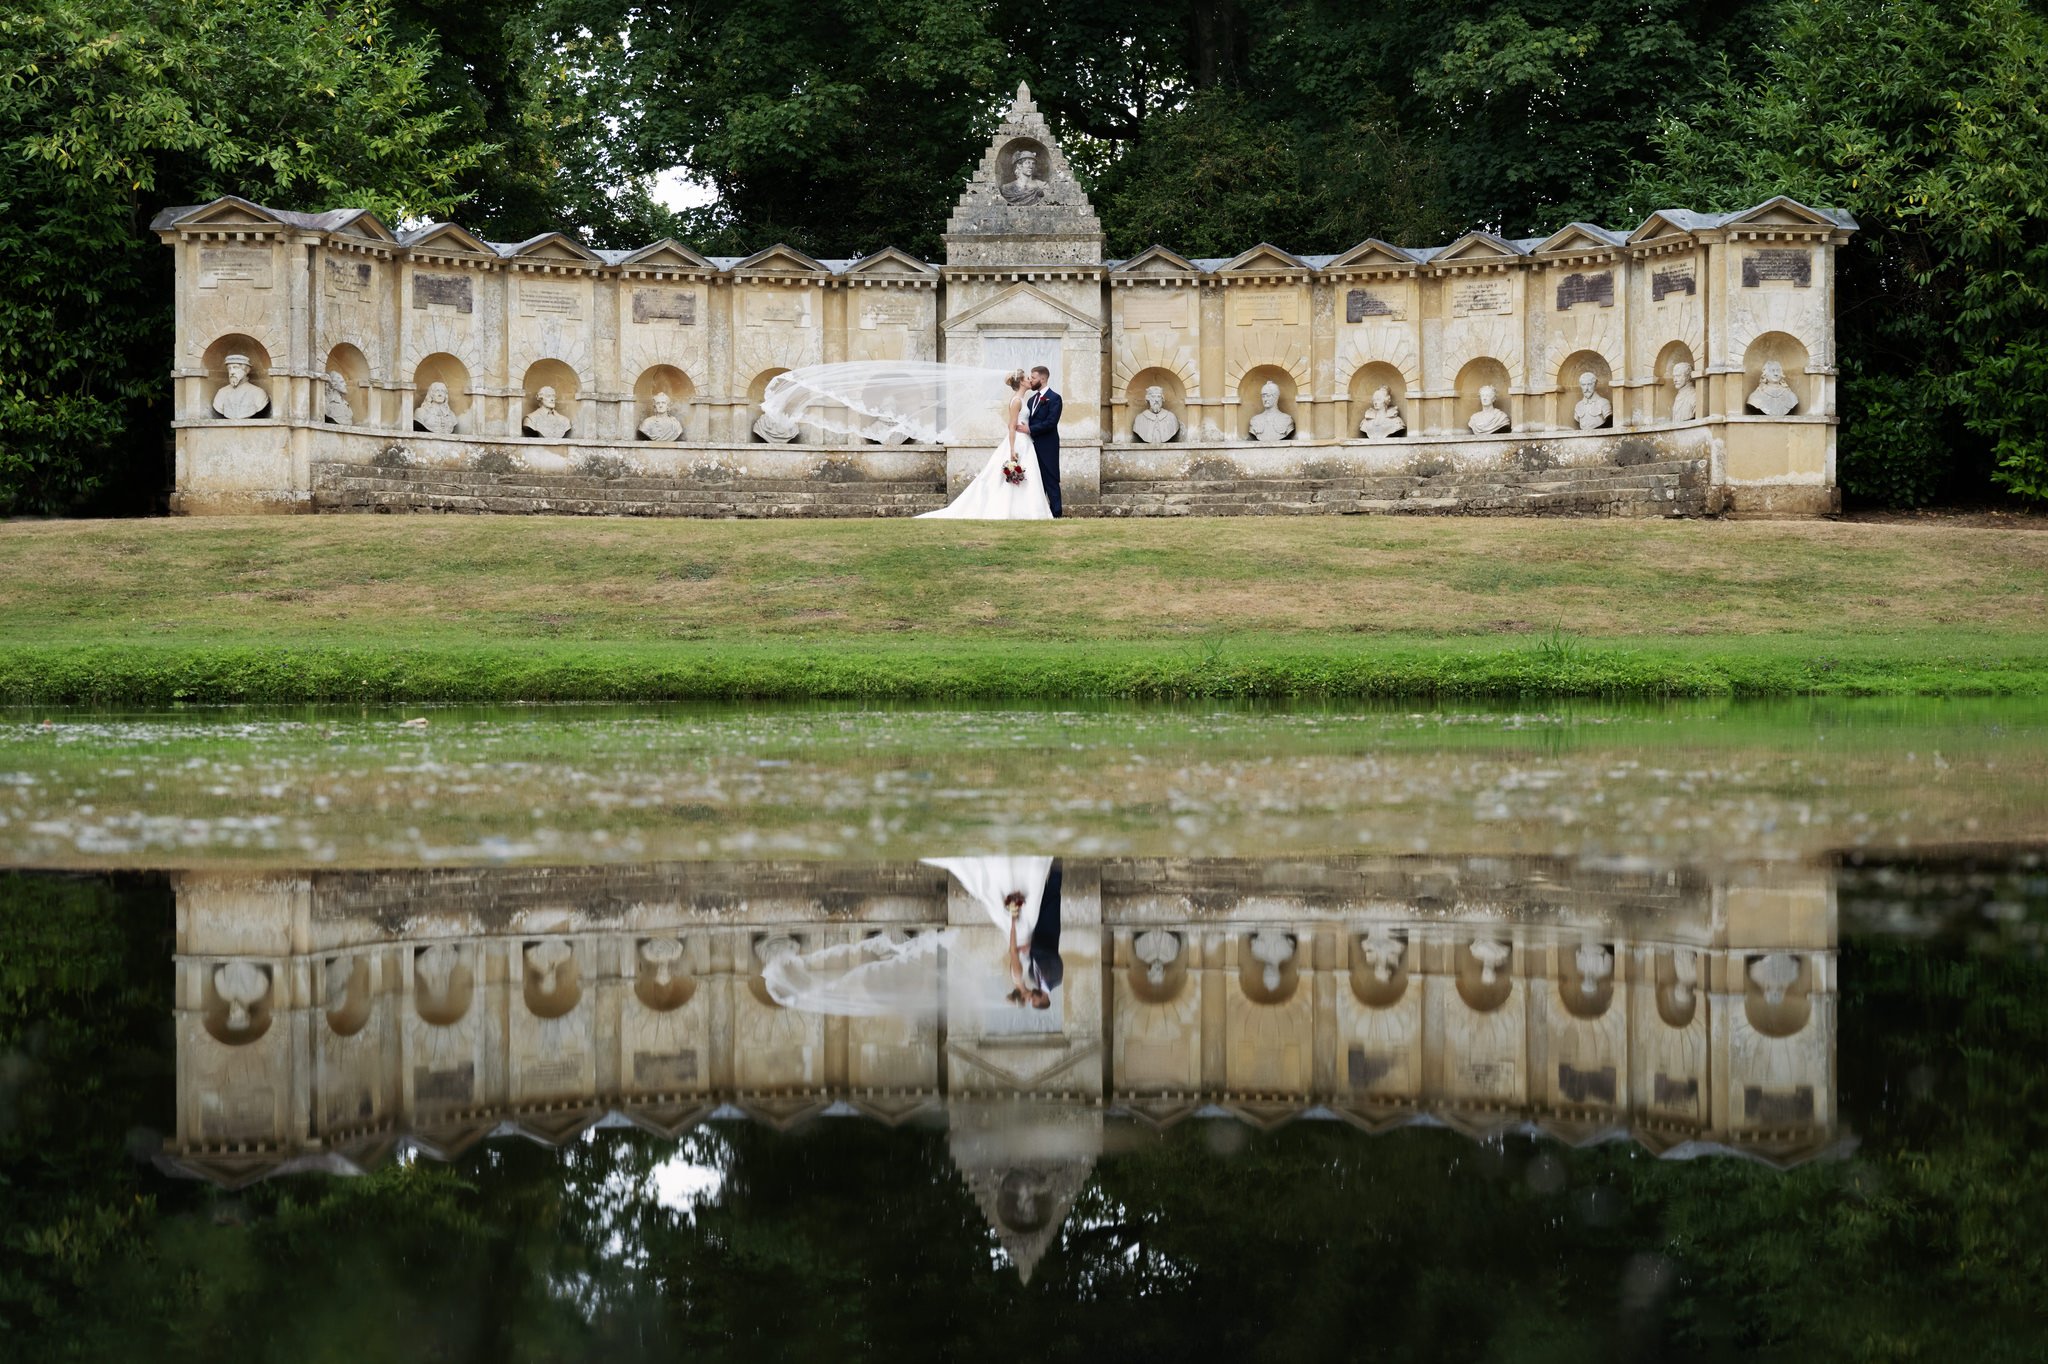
x,y
890,399
885,976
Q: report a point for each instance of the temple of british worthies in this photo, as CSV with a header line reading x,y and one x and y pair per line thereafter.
x,y
327,362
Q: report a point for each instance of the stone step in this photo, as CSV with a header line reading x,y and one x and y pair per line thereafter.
x,y
1486,478
582,483
834,493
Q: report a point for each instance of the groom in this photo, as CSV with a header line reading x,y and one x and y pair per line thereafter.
x,y
1042,414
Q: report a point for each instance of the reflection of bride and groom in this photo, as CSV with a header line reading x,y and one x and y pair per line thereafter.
x,y
941,405
890,975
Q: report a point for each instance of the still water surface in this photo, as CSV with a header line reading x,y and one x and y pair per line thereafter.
x,y
1703,1032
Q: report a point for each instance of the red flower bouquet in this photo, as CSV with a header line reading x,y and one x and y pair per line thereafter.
x,y
1013,470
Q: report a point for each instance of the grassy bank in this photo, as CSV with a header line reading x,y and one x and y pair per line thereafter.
x,y
501,609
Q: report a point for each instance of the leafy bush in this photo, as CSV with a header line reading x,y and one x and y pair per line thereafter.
x,y
1893,448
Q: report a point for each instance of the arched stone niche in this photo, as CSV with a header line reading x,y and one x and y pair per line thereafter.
x,y
1678,986
1268,966
345,994
767,947
448,371
1585,978
551,979
1578,363
1777,993
1376,374
443,984
756,390
236,1001
1483,372
1158,966
1485,973
1006,160
354,369
562,379
1673,354
664,973
1790,355
1173,397
1379,962
1251,400
662,379
215,363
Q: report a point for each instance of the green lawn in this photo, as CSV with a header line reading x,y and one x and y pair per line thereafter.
x,y
511,608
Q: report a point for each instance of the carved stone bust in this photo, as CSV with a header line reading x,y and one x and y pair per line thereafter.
x,y
336,408
433,414
546,421
1774,397
238,399
663,425
1155,425
1382,419
1592,411
775,430
1024,186
1270,423
1489,419
1685,399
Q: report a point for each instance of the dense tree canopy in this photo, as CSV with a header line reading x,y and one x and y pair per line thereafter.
x,y
843,125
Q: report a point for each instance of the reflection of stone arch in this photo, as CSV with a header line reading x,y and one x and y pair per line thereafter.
x,y
1583,362
663,379
1486,974
664,976
1585,979
443,984
1378,964
1266,352
1777,993
1159,966
215,363
1789,353
1268,966
555,374
345,994
1393,352
1678,980
349,362
236,1001
552,979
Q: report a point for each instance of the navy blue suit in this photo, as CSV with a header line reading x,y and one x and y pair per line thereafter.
x,y
1045,934
1045,438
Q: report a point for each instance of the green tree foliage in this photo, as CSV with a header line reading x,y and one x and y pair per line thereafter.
x,y
113,109
1923,118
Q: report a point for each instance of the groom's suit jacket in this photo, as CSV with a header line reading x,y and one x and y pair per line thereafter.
x,y
1043,418
1045,934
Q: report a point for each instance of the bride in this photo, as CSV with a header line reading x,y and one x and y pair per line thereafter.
x,y
934,404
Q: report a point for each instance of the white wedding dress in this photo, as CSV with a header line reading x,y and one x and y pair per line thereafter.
x,y
991,497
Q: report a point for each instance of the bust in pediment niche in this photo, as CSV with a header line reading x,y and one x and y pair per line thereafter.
x,y
1155,425
1271,423
434,415
663,425
547,421
1024,187
336,408
239,398
1592,411
1382,419
1685,399
1774,397
1489,418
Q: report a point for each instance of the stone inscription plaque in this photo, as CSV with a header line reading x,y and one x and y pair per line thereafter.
x,y
1777,264
1155,308
1265,306
664,1072
441,291
1594,288
779,308
244,265
1359,304
1481,296
1675,279
888,312
674,307
550,300
347,276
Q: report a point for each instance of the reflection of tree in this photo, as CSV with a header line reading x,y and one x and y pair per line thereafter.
x,y
1310,1242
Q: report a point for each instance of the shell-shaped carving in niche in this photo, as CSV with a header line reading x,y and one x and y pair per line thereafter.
x,y
1268,966
1139,351
552,338
1379,966
436,333
663,977
442,984
345,994
236,312
1250,348
1586,979
238,1002
1484,338
553,979
1559,343
1393,345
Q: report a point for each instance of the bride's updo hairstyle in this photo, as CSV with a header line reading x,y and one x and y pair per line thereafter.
x,y
1015,378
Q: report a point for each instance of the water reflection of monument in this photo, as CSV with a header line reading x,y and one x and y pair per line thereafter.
x,y
325,1019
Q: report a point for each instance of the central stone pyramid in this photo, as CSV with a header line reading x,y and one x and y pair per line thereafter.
x,y
1023,205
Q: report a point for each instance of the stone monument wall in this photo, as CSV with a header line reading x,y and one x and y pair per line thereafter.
x,y
1698,340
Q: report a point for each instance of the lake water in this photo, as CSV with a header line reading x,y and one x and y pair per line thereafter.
x,y
1709,1031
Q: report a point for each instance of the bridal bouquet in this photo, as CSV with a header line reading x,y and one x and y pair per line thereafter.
x,y
1013,470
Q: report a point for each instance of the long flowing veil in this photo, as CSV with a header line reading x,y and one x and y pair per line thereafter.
x,y
894,400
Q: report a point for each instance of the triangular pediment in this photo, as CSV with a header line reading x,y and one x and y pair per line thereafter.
x,y
1157,260
1372,253
446,1143
782,260
1476,246
1265,258
447,237
893,1110
1023,1069
1264,1114
556,1127
554,246
782,1111
1162,1112
667,254
669,1120
1579,237
1024,304
366,225
890,261
230,210
1782,211
1659,225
